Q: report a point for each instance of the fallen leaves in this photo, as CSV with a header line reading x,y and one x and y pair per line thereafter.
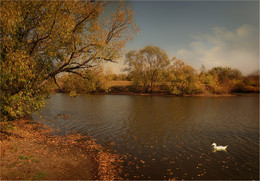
x,y
32,147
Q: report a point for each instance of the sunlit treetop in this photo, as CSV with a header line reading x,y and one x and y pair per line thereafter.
x,y
41,39
65,35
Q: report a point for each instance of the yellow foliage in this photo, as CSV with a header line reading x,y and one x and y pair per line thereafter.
x,y
41,39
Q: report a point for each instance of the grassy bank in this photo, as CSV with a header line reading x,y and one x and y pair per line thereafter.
x,y
128,88
119,87
29,150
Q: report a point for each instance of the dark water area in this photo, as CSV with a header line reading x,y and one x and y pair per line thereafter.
x,y
166,137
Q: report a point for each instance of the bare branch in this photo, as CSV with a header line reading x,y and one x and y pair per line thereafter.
x,y
106,59
54,78
77,73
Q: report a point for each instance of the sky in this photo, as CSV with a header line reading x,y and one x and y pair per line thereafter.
x,y
209,33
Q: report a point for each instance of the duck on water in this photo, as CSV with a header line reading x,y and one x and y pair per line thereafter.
x,y
219,148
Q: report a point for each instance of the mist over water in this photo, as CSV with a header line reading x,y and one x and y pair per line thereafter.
x,y
166,137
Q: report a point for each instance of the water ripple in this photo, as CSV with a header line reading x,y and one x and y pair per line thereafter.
x,y
166,137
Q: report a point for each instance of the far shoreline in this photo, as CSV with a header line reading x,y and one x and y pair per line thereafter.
x,y
162,94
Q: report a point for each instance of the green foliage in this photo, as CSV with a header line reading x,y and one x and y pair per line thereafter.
x,y
209,81
183,79
225,73
228,78
40,176
249,84
146,67
150,69
24,157
94,80
19,93
252,80
41,39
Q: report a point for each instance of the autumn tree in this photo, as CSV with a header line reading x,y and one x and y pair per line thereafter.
x,y
182,78
225,73
249,83
252,79
41,39
146,66
209,81
227,77
95,80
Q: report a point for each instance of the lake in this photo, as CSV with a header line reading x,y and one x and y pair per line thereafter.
x,y
166,137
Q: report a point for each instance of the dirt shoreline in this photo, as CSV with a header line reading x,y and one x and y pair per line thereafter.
x,y
29,150
171,95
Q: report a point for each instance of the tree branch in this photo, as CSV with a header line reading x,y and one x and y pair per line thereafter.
x,y
54,78
77,73
84,19
47,36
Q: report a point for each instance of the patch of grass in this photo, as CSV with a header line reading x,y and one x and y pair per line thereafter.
x,y
120,83
40,175
35,160
22,157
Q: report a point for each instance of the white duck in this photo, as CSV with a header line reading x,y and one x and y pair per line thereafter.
x,y
219,148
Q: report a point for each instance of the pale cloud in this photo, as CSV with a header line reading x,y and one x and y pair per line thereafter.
x,y
117,67
237,49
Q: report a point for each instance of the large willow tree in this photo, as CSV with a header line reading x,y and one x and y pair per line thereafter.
x,y
41,39
147,66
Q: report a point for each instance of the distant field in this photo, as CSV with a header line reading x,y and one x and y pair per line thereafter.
x,y
120,83
127,83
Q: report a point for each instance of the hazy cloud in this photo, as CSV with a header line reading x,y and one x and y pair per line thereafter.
x,y
237,49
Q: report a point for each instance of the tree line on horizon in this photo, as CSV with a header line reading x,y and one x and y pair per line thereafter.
x,y
151,71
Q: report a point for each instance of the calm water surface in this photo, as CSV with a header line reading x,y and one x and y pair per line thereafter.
x,y
167,137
